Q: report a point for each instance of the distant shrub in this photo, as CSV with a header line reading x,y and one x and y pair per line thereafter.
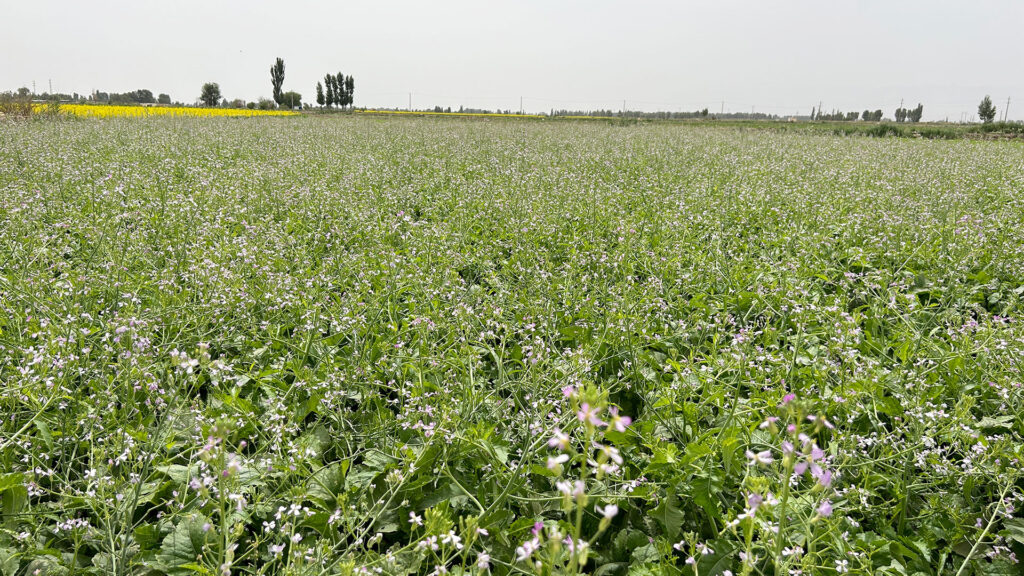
x,y
937,133
1000,127
13,105
884,130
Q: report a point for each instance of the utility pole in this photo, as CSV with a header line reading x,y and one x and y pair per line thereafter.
x,y
819,109
51,86
1006,111
410,101
721,110
33,88
520,105
623,107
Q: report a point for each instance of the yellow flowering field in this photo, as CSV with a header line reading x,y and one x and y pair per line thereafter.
x,y
107,111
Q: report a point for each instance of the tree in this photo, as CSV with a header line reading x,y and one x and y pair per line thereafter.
x,y
291,99
331,98
210,94
986,111
350,90
164,99
339,89
866,115
916,113
142,96
812,112
320,94
277,79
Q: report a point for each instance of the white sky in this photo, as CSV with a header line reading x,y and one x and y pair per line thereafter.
x,y
779,56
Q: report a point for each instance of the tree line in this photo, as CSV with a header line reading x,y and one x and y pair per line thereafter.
x,y
340,90
901,115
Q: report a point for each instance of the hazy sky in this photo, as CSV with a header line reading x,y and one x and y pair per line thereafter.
x,y
779,56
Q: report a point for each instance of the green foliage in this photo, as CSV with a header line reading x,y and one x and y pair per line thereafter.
x,y
210,94
883,130
986,110
915,114
277,80
291,99
338,345
331,98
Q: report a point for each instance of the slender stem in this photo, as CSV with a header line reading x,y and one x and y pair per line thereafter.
x,y
789,462
988,527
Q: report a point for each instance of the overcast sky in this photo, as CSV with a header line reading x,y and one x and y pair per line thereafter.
x,y
779,57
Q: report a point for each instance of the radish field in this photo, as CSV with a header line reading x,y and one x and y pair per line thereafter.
x,y
350,345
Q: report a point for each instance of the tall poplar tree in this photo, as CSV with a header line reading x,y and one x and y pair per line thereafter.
x,y
277,79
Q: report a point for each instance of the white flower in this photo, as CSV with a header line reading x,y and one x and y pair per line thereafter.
x,y
527,549
762,458
609,511
555,461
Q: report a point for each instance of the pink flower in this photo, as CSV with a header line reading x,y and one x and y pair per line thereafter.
x,y
825,509
589,415
527,549
556,461
788,398
618,422
754,501
763,457
820,421
559,440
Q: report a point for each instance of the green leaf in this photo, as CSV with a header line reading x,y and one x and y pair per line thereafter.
x,y
8,562
645,554
1004,422
704,488
723,558
611,568
44,433
325,486
11,480
1014,529
668,515
13,502
182,550
147,536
